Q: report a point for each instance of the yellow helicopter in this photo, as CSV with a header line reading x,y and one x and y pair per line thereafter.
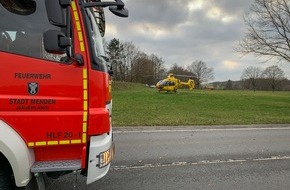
x,y
171,84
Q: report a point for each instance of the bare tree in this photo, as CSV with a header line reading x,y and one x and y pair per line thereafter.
x,y
200,72
130,52
252,74
158,67
268,31
132,65
115,54
274,76
142,69
177,70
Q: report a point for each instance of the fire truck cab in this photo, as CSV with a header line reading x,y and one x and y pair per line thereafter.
x,y
55,94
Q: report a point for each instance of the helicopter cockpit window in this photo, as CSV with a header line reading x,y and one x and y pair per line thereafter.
x,y
167,83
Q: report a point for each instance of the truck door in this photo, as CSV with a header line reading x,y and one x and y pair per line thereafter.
x,y
43,96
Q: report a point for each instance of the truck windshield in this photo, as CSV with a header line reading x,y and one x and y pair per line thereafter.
x,y
22,25
95,32
96,40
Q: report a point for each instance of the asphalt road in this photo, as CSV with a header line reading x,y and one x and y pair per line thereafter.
x,y
226,158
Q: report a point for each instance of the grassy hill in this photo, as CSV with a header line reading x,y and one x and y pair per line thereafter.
x,y
138,105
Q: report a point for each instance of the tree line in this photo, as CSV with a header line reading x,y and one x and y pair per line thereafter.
x,y
272,78
130,64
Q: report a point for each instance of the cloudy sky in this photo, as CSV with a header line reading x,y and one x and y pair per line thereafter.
x,y
182,31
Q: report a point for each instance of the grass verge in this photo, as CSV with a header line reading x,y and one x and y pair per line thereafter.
x,y
137,105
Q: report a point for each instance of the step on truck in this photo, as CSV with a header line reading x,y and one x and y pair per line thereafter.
x,y
55,93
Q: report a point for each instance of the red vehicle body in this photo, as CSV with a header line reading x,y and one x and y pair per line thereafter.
x,y
55,95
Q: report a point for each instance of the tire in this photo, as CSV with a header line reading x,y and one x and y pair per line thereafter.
x,y
6,177
7,181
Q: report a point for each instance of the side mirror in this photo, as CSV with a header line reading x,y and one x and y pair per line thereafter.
x,y
119,12
116,7
56,42
56,11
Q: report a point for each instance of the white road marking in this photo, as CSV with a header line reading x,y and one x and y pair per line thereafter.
x,y
203,162
273,158
120,131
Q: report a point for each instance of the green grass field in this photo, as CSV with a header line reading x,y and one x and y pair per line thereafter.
x,y
137,105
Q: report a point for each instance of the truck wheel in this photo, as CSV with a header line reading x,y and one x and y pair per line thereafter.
x,y
33,185
6,177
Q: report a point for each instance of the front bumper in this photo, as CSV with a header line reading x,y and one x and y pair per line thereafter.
x,y
101,153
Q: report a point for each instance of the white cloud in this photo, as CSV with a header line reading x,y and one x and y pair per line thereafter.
x,y
228,19
111,29
150,30
214,13
231,65
182,31
195,5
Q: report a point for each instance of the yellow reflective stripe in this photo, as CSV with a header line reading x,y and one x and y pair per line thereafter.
x,y
52,142
85,105
73,5
85,84
85,94
78,24
85,116
76,141
82,46
41,143
84,137
80,34
30,144
64,142
76,15
85,73
84,127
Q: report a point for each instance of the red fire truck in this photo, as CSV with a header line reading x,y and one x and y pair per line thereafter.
x,y
55,95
